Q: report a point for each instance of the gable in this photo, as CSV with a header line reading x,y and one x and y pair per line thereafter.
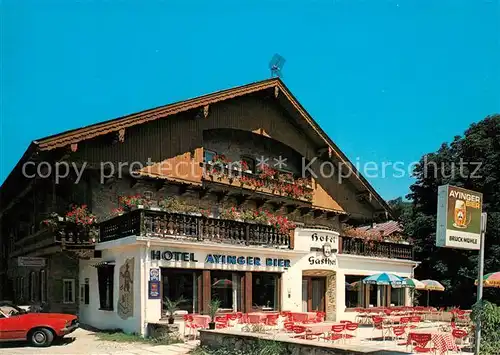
x,y
305,128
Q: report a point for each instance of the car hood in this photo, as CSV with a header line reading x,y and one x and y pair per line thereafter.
x,y
61,316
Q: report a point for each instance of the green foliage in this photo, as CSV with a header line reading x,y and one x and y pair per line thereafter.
x,y
213,308
471,161
489,314
172,306
259,347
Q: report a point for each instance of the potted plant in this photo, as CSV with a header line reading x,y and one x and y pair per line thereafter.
x,y
172,306
213,308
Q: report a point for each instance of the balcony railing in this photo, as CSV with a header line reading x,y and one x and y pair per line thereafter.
x,y
358,246
191,227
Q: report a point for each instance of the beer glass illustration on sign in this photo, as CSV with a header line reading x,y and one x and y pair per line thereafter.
x,y
460,214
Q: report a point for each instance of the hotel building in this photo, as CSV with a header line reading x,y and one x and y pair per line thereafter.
x,y
184,208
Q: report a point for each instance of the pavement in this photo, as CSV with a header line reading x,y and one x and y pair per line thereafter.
x,y
82,341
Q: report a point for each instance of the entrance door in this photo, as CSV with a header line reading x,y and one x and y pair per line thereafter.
x,y
313,294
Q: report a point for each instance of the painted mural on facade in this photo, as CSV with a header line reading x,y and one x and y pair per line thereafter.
x,y
125,307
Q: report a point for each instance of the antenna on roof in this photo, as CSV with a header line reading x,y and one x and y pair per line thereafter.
x,y
276,65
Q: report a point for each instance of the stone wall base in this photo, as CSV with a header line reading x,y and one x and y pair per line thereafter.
x,y
214,339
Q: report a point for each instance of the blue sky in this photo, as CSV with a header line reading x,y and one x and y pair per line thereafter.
x,y
388,80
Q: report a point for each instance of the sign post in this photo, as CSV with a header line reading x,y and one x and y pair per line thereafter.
x,y
461,224
480,281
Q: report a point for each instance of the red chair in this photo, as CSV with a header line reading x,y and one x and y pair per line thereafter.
x,y
272,321
399,334
337,333
288,326
421,340
220,322
378,324
460,337
299,331
320,317
189,325
414,321
351,330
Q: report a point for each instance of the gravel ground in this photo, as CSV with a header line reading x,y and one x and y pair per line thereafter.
x,y
85,342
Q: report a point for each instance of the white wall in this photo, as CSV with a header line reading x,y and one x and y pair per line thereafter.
x,y
149,310
90,314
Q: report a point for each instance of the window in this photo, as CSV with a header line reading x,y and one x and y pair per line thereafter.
x,y
226,287
398,296
43,286
105,277
265,291
250,163
355,291
208,155
20,289
33,287
69,291
181,284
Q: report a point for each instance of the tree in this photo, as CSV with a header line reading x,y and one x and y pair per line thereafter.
x,y
399,208
471,161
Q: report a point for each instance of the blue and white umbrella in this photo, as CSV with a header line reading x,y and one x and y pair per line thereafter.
x,y
384,279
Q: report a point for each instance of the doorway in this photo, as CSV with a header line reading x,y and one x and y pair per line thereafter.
x,y
313,294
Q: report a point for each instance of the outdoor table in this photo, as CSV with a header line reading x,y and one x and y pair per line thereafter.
x,y
392,319
310,316
317,328
443,341
201,320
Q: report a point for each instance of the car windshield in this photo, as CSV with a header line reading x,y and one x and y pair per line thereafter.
x,y
10,310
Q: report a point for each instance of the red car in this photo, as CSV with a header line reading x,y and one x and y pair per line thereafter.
x,y
40,329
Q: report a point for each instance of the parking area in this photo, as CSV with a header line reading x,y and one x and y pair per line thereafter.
x,y
86,342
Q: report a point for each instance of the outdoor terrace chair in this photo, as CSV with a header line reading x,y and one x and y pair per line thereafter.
x,y
419,343
399,333
288,327
299,331
461,338
337,333
351,330
378,324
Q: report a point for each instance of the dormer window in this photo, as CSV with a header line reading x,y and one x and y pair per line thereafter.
x,y
209,156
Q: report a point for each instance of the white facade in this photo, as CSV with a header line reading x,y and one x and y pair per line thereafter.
x,y
292,264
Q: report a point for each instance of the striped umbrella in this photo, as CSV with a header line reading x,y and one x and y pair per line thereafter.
x,y
491,280
413,283
383,279
432,285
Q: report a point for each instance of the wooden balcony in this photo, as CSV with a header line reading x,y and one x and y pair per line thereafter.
x,y
358,246
191,227
288,188
57,238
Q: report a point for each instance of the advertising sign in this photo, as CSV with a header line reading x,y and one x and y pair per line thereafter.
x,y
154,290
458,218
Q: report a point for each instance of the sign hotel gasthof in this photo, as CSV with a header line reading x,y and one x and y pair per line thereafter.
x,y
458,218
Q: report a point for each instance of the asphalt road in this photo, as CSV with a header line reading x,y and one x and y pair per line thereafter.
x,y
85,342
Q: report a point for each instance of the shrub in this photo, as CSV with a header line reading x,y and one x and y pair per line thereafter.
x,y
489,314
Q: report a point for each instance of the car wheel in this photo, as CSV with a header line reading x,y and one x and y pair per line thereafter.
x,y
41,337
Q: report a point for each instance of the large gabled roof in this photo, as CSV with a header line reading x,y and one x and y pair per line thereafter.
x,y
67,138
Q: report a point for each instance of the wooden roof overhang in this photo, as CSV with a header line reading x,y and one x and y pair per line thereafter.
x,y
290,104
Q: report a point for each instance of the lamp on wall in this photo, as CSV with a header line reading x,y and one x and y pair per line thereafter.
x,y
289,291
